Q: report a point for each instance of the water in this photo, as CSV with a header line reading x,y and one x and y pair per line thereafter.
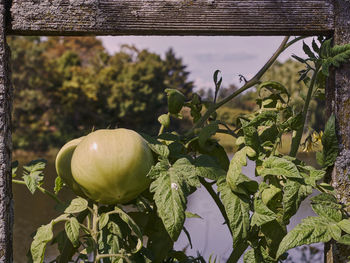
x,y
209,235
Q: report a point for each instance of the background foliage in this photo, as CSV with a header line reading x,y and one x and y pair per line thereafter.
x,y
66,86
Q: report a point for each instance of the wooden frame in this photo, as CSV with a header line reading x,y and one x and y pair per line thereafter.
x,y
175,17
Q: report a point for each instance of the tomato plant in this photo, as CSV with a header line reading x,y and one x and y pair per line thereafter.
x,y
101,229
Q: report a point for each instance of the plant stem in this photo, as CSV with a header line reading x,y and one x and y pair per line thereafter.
x,y
161,130
94,232
43,190
297,138
217,201
252,82
228,131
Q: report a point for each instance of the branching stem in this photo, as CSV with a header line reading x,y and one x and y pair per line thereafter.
x,y
41,189
94,232
297,138
217,200
250,83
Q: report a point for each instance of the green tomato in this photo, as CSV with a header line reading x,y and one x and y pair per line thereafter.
x,y
111,165
63,165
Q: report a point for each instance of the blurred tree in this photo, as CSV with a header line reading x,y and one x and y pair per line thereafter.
x,y
85,47
177,76
131,89
64,87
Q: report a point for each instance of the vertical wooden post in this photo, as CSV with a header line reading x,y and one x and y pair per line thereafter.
x,y
338,96
6,206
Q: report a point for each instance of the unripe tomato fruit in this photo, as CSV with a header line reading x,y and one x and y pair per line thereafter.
x,y
63,165
111,165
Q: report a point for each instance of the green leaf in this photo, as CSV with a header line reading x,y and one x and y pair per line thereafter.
x,y
273,86
315,47
326,205
294,194
249,257
271,195
206,132
330,143
170,191
279,166
58,184
251,136
308,51
238,182
72,228
177,150
114,229
60,239
237,209
175,100
344,239
265,118
293,123
273,232
310,230
133,226
76,205
217,82
344,225
268,134
156,146
159,241
335,231
33,174
43,235
103,220
301,60
169,137
257,255
314,175
159,169
187,170
262,214
319,158
192,215
207,167
333,56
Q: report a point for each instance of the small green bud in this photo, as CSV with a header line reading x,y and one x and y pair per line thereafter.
x,y
164,119
176,100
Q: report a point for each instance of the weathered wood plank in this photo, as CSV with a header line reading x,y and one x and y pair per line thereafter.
x,y
172,17
6,205
338,96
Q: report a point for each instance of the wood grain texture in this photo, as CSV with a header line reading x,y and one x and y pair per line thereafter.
x,y
6,204
172,17
338,96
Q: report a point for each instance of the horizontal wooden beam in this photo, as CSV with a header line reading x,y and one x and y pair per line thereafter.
x,y
171,17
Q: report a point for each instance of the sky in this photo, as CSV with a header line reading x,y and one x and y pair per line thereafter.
x,y
205,54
